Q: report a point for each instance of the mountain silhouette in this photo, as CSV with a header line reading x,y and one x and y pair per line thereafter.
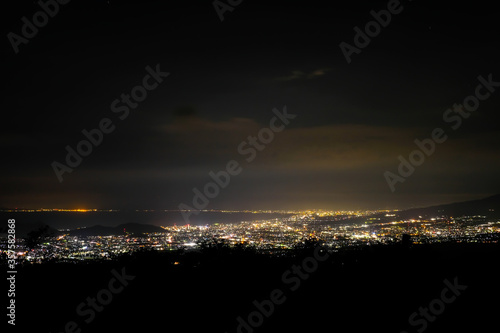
x,y
489,207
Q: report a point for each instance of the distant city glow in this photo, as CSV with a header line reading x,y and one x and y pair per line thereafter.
x,y
334,229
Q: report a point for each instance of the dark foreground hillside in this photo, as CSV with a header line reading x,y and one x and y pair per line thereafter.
x,y
368,290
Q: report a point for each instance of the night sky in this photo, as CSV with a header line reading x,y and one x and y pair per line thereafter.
x,y
225,78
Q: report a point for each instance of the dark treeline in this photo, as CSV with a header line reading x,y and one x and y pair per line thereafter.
x,y
369,289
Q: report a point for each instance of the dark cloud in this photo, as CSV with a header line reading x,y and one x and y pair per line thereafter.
x,y
353,120
185,112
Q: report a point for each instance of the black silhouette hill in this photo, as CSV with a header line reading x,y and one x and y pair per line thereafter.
x,y
489,207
